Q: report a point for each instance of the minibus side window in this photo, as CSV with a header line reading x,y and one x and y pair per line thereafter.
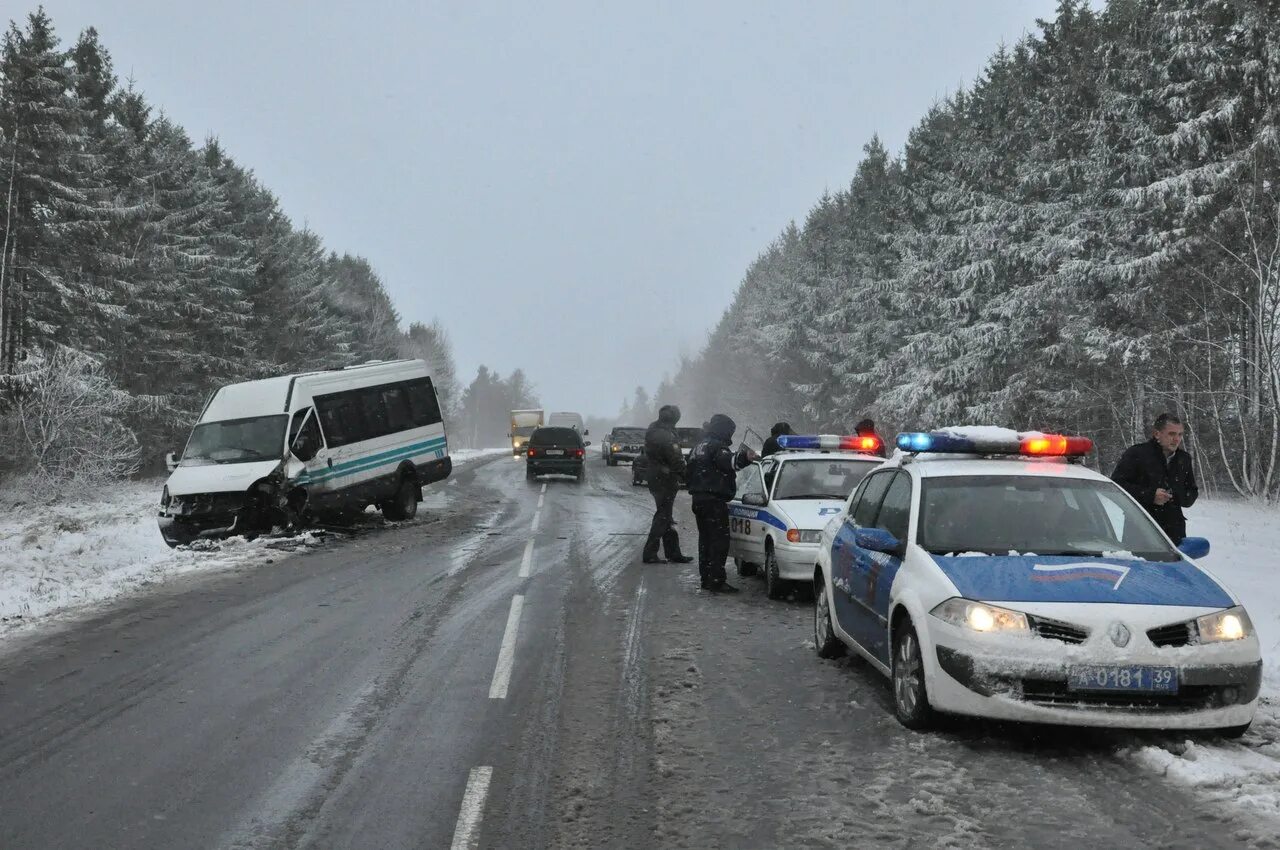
x,y
342,417
423,403
375,413
396,402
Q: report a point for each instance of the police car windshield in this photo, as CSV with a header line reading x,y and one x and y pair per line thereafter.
x,y
820,478
555,437
1036,515
236,441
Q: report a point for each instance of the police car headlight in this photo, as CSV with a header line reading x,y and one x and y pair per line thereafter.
x,y
1231,624
981,617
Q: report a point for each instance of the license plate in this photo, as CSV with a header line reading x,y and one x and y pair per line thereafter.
x,y
1158,679
555,451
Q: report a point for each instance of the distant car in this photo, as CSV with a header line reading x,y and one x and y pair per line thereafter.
x,y
622,443
783,502
556,451
986,575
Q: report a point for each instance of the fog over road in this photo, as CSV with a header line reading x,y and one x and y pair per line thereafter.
x,y
504,673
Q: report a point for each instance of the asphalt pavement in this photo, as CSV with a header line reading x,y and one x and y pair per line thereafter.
x,y
503,672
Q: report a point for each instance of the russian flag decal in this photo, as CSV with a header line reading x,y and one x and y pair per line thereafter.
x,y
1113,574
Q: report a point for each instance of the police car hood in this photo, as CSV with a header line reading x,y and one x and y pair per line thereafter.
x,y
218,477
1032,578
807,513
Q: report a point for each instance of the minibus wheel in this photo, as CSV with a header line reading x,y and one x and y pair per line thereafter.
x,y
404,504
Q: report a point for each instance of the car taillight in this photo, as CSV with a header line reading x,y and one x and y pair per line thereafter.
x,y
580,452
532,452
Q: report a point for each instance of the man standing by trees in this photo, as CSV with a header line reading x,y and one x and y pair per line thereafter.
x,y
666,465
1158,474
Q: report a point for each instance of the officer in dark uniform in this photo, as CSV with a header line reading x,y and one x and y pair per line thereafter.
x,y
713,467
665,467
1158,474
771,445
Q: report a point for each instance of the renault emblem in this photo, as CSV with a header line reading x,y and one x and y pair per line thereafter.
x,y
1119,634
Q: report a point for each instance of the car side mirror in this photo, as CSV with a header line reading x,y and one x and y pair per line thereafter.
x,y
171,461
587,443
877,540
1194,547
754,499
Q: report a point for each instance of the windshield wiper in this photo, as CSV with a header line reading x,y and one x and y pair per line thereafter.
x,y
811,496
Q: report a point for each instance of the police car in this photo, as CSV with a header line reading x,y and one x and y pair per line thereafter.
x,y
784,500
986,574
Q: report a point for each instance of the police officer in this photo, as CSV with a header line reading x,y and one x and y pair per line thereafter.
x,y
712,483
1158,474
771,445
666,465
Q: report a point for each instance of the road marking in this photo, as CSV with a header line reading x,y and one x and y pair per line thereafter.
x,y
466,834
527,561
507,654
537,516
541,499
544,488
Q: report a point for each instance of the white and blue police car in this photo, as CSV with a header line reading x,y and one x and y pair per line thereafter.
x,y
783,502
986,574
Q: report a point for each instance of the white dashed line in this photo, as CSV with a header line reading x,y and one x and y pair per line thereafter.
x,y
527,561
544,488
537,516
541,499
507,654
466,834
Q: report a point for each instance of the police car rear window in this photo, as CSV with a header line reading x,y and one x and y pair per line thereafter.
x,y
1035,515
555,437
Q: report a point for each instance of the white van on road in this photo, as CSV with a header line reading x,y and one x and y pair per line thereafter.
x,y
279,451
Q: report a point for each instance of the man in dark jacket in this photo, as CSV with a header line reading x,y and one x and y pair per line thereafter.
x,y
665,462
712,477
1158,474
771,445
867,428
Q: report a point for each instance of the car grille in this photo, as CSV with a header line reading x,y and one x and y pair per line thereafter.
x,y
1188,698
1177,634
1057,630
206,504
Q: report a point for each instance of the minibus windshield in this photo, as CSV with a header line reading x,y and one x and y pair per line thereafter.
x,y
257,438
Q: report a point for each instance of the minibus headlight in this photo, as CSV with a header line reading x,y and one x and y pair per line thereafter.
x,y
164,497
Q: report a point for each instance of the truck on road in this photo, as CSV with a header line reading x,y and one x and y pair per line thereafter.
x,y
523,424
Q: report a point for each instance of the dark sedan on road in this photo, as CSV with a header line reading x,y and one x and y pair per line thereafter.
x,y
556,451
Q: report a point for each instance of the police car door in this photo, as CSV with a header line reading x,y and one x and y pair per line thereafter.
x,y
874,572
745,531
848,574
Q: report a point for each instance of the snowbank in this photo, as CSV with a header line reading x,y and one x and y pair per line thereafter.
x,y
101,545
1246,556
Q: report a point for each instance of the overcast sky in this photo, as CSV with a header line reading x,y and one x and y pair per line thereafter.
x,y
572,188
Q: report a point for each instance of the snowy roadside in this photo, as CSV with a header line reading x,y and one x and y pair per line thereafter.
x,y
57,558
1244,773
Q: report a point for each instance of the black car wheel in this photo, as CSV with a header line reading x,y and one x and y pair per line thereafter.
x,y
745,569
774,586
824,636
529,474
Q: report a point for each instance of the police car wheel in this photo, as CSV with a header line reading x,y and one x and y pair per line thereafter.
x,y
824,637
774,586
744,569
910,699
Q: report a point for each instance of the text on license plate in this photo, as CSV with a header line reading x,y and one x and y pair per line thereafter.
x,y
555,451
1098,678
